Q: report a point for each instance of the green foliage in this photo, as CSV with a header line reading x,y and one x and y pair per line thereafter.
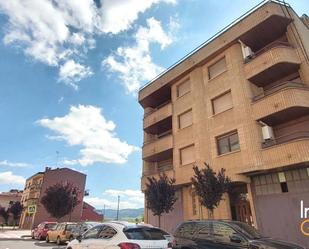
x,y
60,200
15,208
210,186
5,214
160,194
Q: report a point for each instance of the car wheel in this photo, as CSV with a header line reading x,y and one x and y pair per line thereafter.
x,y
32,235
58,241
71,238
47,239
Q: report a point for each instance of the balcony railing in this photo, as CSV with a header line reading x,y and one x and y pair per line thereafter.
x,y
276,88
267,48
155,170
286,138
157,137
158,116
272,63
157,108
156,147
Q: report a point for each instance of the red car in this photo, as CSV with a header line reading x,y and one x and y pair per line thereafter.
x,y
40,232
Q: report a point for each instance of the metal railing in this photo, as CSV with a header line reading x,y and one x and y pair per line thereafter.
x,y
278,87
159,136
286,138
157,170
157,108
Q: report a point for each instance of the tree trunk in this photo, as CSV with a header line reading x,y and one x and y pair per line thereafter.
x,y
159,219
210,213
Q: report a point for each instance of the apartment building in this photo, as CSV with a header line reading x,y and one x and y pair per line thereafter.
x,y
34,212
240,102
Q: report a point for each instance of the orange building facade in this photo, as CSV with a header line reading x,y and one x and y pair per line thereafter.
x,y
239,102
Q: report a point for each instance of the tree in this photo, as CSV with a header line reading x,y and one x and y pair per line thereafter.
x,y
60,200
15,209
5,214
160,195
210,186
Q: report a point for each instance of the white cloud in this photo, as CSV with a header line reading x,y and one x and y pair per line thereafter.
x,y
87,127
14,164
71,72
58,31
134,63
128,199
9,178
126,12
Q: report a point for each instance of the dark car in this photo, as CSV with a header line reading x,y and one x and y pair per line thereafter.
x,y
220,234
40,232
83,227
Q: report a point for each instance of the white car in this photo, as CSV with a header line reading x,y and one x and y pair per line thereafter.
x,y
120,235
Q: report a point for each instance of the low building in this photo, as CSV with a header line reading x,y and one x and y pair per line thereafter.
x,y
240,102
90,214
6,198
35,187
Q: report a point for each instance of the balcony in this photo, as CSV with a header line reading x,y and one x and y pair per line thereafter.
x,y
298,135
155,170
285,103
158,149
160,116
272,63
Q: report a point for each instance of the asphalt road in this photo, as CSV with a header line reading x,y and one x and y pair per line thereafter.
x,y
27,244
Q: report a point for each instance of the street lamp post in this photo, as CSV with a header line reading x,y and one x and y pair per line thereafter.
x,y
118,208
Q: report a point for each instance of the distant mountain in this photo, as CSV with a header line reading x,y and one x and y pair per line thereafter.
x,y
123,213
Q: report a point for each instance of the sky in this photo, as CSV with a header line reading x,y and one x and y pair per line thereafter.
x,y
69,76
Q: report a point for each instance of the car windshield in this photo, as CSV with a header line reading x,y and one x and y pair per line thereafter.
x,y
250,231
50,226
70,227
145,233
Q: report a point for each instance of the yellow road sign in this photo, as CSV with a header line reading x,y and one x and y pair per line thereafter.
x,y
31,209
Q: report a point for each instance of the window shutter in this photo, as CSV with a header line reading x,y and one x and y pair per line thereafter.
x,y
187,155
222,103
183,88
217,68
185,119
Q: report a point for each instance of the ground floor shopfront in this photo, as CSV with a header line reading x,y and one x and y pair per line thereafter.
x,y
270,201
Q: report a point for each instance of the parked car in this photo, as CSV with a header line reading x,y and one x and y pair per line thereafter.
x,y
61,233
40,232
121,235
218,234
83,227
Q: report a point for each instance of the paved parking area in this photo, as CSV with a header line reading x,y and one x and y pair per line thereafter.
x,y
27,244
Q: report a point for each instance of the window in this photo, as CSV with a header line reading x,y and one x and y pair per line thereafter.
x,y
205,232
187,155
228,143
186,230
222,103
183,88
217,68
92,233
185,119
145,233
70,227
107,233
222,233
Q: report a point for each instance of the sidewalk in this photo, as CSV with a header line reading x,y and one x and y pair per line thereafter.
x,y
10,233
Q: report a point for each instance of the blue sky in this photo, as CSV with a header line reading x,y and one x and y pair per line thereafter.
x,y
69,75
